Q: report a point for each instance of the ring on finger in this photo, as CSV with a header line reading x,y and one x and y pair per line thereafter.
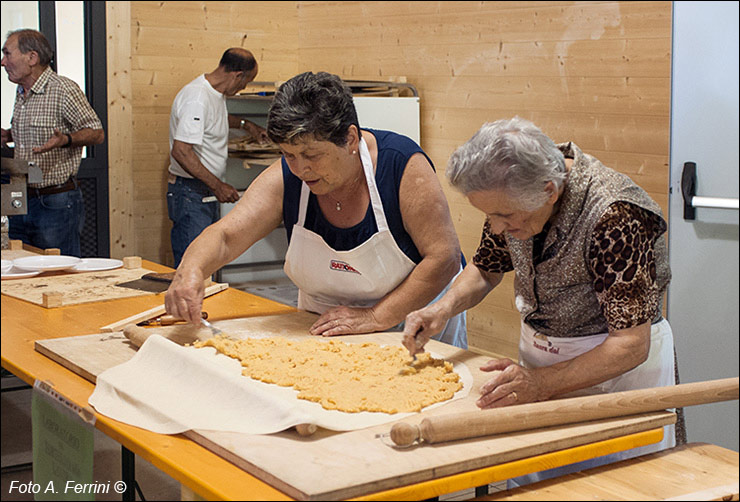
x,y
514,395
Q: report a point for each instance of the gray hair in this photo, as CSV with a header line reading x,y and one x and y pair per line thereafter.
x,y
319,105
32,40
514,156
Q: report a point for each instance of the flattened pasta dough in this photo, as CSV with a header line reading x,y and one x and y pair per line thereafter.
x,y
342,376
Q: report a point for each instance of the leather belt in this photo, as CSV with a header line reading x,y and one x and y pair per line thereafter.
x,y
68,185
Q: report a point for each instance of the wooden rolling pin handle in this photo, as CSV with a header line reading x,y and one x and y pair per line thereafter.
x,y
305,429
404,434
136,334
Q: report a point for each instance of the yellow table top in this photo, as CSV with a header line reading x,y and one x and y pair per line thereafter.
x,y
197,468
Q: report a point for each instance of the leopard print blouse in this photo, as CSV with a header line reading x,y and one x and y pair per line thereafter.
x,y
621,260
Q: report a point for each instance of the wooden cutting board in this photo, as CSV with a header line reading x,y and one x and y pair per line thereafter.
x,y
75,287
336,466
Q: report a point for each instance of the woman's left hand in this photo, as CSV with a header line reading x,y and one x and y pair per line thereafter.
x,y
513,385
345,321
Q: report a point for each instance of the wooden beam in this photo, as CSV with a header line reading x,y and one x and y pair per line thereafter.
x,y
120,130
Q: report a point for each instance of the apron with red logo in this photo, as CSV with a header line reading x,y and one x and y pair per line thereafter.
x,y
358,277
537,350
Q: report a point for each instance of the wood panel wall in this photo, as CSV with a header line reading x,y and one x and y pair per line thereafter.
x,y
596,73
170,44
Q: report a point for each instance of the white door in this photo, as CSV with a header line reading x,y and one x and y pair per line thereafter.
x,y
703,294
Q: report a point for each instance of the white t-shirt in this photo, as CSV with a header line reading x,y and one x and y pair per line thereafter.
x,y
199,117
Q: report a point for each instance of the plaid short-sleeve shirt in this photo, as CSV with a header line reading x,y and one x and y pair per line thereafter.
x,y
53,102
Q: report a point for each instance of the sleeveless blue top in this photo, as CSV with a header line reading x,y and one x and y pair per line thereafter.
x,y
394,152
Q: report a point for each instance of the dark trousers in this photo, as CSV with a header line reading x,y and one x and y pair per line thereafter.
x,y
53,221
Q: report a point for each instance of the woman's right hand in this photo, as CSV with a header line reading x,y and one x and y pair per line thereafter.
x,y
184,298
421,325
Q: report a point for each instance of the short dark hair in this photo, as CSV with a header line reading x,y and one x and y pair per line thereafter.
x,y
312,104
33,40
235,59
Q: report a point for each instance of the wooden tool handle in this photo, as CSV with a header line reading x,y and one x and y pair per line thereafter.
x,y
154,312
168,319
563,411
161,277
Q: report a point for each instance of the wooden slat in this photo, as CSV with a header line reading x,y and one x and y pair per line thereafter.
x,y
610,95
231,16
694,471
121,191
488,21
602,58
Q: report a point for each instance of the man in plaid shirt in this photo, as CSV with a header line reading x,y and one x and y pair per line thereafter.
x,y
52,121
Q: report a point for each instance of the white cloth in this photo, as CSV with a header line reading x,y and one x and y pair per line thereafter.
x,y
199,117
537,350
169,389
359,277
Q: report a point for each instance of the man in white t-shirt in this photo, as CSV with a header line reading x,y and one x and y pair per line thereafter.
x,y
199,135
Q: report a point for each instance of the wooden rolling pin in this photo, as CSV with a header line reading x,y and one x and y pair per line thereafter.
x,y
181,334
466,425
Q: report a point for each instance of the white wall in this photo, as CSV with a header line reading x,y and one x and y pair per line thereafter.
x,y
14,15
703,294
70,50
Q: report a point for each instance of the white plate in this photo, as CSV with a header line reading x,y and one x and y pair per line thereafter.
x,y
7,265
46,263
16,273
97,264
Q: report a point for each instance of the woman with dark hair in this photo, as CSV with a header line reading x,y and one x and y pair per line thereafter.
x,y
369,230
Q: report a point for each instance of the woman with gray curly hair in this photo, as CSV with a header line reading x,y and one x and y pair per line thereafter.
x,y
369,230
588,250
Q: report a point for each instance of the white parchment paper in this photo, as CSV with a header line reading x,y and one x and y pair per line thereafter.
x,y
169,389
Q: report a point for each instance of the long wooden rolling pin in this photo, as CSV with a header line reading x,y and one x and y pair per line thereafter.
x,y
466,425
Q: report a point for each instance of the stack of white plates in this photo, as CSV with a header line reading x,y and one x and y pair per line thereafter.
x,y
29,266
46,263
7,265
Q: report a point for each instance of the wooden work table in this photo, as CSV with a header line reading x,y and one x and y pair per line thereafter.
x,y
194,466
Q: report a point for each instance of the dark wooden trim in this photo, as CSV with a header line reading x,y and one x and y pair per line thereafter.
x,y
48,26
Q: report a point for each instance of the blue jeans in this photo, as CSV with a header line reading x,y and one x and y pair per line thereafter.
x,y
189,214
52,221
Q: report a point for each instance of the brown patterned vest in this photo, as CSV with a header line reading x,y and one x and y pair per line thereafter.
x,y
556,297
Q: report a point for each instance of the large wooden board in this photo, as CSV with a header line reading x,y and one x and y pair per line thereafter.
x,y
331,465
76,287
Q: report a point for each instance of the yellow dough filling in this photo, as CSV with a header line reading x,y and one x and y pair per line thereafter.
x,y
342,376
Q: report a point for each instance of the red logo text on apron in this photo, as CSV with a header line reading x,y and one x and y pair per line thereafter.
x,y
547,346
342,267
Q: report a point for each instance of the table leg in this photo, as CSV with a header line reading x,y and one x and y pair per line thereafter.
x,y
128,474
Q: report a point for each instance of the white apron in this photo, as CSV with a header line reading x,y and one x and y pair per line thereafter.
x,y
358,277
537,350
